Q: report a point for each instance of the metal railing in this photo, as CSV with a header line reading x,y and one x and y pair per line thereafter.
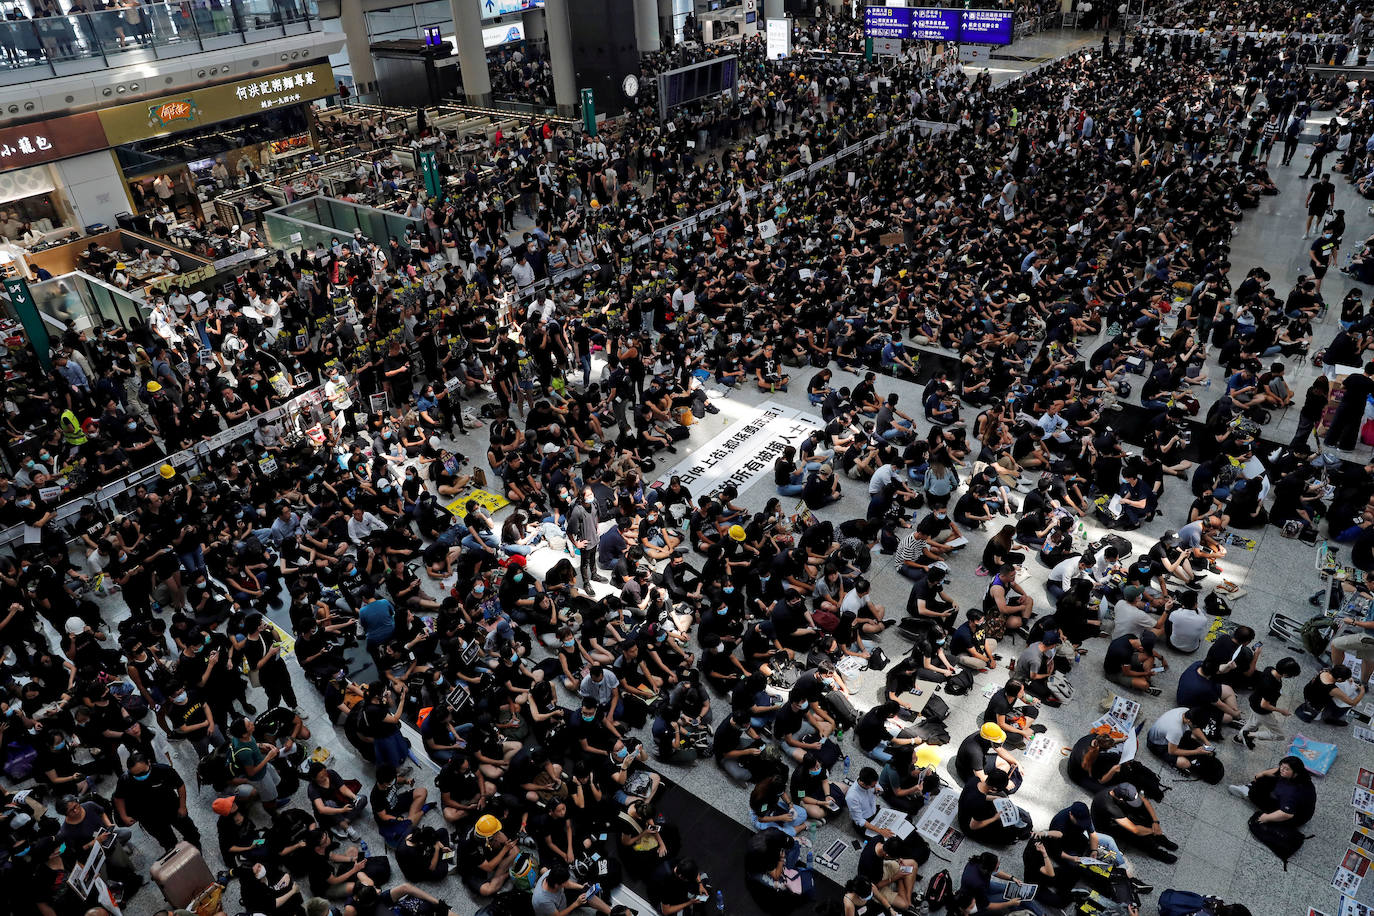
x,y
80,42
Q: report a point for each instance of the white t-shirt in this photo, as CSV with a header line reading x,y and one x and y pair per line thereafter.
x,y
1064,574
1186,628
1169,727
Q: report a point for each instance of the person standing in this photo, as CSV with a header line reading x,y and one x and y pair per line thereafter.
x,y
1319,200
1320,147
152,794
583,531
1291,133
1345,424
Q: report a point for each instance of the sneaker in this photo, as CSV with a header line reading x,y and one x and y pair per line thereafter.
x,y
1142,887
1168,858
1336,723
1153,691
1239,791
980,571
1195,585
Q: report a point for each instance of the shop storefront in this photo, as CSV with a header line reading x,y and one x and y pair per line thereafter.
x,y
177,152
34,210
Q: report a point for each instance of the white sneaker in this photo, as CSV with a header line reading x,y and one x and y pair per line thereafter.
x,y
1239,791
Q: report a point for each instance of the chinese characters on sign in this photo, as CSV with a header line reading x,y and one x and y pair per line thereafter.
x,y
938,24
274,86
44,141
25,146
746,450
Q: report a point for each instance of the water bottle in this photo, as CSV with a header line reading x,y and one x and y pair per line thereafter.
x,y
720,901
846,767
362,845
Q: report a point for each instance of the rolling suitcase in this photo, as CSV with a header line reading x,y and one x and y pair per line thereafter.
x,y
182,874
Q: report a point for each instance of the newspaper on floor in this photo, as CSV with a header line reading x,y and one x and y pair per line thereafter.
x,y
937,817
1362,800
1018,891
1353,907
1039,748
1363,734
892,819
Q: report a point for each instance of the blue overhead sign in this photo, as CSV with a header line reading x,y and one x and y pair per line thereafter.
x,y
905,22
993,27
985,27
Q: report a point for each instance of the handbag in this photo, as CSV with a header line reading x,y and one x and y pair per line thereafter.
x,y
1060,686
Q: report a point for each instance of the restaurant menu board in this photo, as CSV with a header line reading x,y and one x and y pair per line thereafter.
x,y
992,27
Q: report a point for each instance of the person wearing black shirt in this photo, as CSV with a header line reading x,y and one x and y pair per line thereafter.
x,y
1129,817
1014,720
1345,424
979,817
1264,702
152,794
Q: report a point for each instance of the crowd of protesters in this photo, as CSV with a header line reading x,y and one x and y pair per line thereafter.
x,y
1065,238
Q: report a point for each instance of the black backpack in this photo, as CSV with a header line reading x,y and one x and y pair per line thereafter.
x,y
1282,840
959,684
939,891
213,769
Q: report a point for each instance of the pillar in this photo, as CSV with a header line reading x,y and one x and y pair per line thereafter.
x,y
534,27
472,57
774,9
356,40
666,20
646,25
558,27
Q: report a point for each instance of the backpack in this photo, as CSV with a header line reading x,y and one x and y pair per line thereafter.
x,y
213,769
1208,768
959,684
939,891
1282,840
1316,633
1181,903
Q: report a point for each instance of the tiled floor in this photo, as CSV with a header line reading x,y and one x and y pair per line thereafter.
x,y
1218,856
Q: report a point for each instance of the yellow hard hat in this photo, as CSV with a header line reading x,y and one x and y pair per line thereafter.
x,y
993,732
487,826
927,756
167,472
154,387
737,532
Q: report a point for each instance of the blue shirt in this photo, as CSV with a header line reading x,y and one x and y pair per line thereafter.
x,y
378,620
1196,690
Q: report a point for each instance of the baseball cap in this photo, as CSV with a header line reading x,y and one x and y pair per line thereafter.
x,y
1050,638
1148,639
1127,794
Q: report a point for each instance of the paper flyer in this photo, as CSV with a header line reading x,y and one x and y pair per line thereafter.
x,y
1362,800
1039,748
1353,907
1364,734
1365,778
1346,881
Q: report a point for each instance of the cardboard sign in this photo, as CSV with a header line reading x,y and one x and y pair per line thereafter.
x,y
492,502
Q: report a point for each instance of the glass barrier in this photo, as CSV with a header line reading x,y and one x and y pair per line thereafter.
x,y
82,302
325,219
83,41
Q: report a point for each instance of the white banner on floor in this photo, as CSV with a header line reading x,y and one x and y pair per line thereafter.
x,y
746,450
